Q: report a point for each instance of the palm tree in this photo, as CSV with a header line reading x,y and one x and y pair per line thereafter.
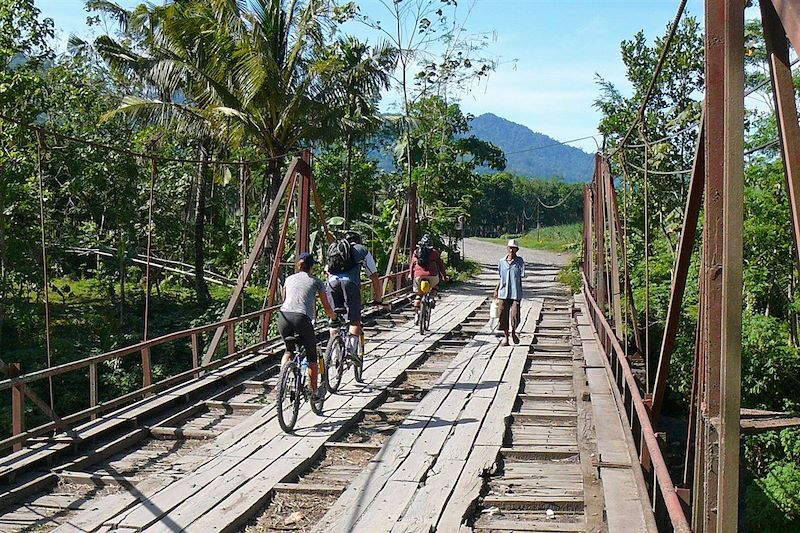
x,y
227,73
357,73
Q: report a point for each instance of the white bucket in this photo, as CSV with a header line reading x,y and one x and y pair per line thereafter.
x,y
494,309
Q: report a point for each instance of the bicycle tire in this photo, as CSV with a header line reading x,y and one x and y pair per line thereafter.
x,y
421,317
334,363
428,317
317,404
358,361
288,390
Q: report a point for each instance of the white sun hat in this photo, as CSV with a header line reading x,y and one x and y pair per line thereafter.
x,y
512,243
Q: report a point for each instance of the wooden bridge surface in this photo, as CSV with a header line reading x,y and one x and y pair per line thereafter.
x,y
519,438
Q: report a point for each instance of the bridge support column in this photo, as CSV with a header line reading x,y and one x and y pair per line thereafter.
x,y
716,483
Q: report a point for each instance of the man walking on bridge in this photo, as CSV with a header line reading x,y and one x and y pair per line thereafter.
x,y
509,290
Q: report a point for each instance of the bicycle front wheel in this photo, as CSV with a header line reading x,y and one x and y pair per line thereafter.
x,y
288,404
358,360
334,363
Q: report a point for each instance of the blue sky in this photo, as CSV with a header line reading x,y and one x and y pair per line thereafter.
x,y
558,46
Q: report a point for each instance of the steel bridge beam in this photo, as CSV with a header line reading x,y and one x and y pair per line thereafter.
x,y
716,494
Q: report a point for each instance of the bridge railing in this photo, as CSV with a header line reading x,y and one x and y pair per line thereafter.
x,y
19,382
669,510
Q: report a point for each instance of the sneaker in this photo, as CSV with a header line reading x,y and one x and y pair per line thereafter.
x,y
515,338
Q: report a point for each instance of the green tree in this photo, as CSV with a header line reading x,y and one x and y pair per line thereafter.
x,y
357,73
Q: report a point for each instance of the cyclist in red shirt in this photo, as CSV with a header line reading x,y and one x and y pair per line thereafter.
x,y
426,264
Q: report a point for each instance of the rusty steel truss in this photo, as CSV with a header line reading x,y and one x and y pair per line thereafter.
x,y
707,498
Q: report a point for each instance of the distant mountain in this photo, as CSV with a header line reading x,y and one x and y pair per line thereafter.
x,y
516,140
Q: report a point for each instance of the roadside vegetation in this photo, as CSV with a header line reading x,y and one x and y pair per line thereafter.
x,y
560,238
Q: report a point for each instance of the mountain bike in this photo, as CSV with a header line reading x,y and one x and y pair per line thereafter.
x,y
338,358
294,386
427,303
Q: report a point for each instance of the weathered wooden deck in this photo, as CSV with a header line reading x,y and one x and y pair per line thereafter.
x,y
449,432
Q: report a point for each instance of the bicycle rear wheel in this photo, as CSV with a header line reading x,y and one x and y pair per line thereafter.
x,y
334,362
317,403
423,313
428,316
288,403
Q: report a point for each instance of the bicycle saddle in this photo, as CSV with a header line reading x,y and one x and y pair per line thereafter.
x,y
291,343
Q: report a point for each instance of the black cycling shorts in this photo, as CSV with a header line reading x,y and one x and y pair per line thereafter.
x,y
346,294
300,326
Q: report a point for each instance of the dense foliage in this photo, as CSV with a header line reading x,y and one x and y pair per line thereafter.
x,y
510,204
665,143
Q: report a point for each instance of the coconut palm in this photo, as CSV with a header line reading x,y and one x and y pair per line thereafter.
x,y
228,72
357,73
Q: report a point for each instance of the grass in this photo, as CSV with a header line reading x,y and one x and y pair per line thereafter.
x,y
464,270
561,238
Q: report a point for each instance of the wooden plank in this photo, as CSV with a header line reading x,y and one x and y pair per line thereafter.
x,y
392,499
561,502
486,448
411,455
626,488
256,473
113,505
233,407
308,488
428,503
239,505
183,433
594,503
354,446
95,479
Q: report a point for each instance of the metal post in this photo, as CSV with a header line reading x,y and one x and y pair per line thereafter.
x,y
717,464
588,252
732,282
785,106
304,209
17,404
611,225
231,338
94,387
147,367
274,276
396,246
599,237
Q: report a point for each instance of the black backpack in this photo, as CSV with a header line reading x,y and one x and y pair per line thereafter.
x,y
340,257
424,255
